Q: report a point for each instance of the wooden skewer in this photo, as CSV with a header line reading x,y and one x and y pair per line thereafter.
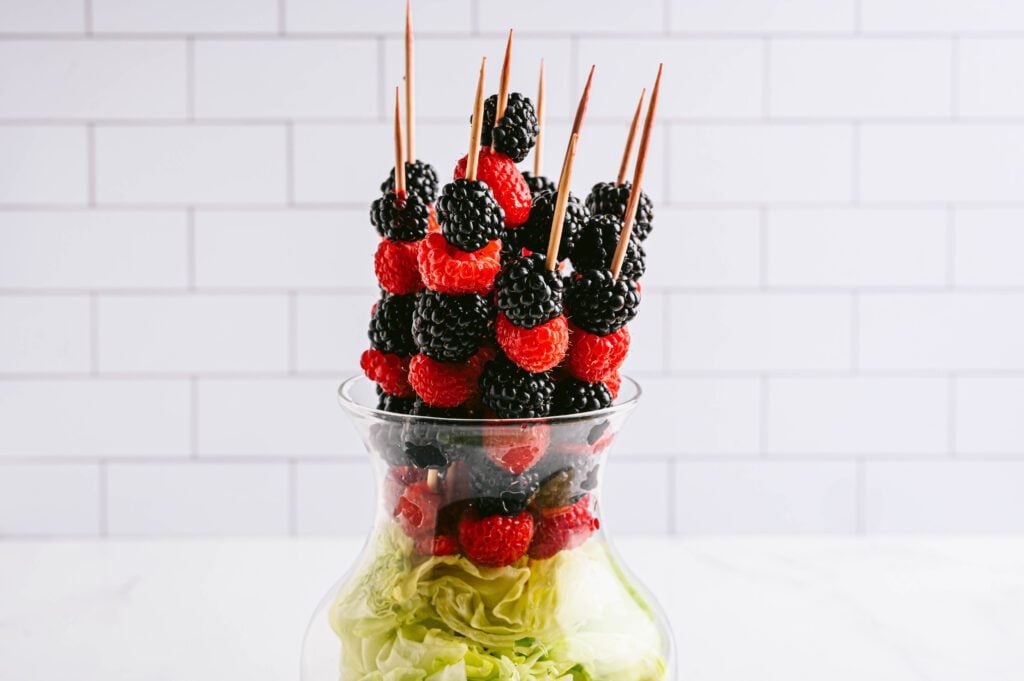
x,y
581,109
478,121
638,176
628,151
432,480
506,67
410,98
538,150
399,149
558,219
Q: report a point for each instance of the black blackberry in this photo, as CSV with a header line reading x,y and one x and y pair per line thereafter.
x,y
449,328
608,198
528,293
499,492
428,445
391,324
514,393
596,244
516,133
468,214
573,396
393,403
400,220
509,249
420,179
421,408
538,183
534,234
600,304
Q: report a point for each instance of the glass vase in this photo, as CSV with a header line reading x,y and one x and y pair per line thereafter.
x,y
487,559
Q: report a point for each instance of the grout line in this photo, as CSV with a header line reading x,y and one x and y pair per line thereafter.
x,y
858,16
104,504
293,334
87,18
666,16
193,417
474,17
190,248
289,135
766,78
855,333
951,412
951,247
855,164
282,17
670,526
861,496
94,334
190,79
293,498
382,86
90,146
954,78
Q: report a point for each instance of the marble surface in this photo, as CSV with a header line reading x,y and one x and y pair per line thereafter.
x,y
743,609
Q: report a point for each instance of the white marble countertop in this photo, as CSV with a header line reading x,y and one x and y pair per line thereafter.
x,y
765,609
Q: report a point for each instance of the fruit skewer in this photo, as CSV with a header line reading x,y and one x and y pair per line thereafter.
x,y
628,151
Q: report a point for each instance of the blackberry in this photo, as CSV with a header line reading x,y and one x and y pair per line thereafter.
x,y
573,396
420,179
499,492
514,393
528,293
391,324
397,219
393,403
449,328
535,233
596,244
600,304
427,444
421,408
516,133
468,214
608,198
538,183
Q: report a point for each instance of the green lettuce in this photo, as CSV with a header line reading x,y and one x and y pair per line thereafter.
x,y
572,617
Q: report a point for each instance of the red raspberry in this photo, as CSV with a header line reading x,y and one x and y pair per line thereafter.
x,y
432,225
562,529
391,372
516,449
499,172
396,266
397,479
436,545
537,349
614,382
447,269
444,384
416,509
592,358
497,540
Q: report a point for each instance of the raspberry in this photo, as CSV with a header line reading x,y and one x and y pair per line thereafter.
x,y
608,198
499,173
396,266
442,384
517,131
468,214
437,545
391,372
395,482
614,382
574,396
448,269
514,393
528,293
535,233
600,304
497,540
538,349
450,328
538,183
432,225
562,528
416,509
516,450
391,325
420,179
591,357
400,218
595,247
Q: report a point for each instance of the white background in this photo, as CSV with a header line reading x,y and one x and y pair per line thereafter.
x,y
831,339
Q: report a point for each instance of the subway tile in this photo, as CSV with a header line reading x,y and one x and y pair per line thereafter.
x,y
702,78
707,416
94,418
988,415
759,16
860,77
647,335
94,249
944,497
703,248
286,249
941,15
986,77
883,416
44,334
49,499
760,332
856,247
538,16
429,16
85,79
197,499
774,497
193,333
42,16
954,331
447,71
285,78
761,163
912,162
185,16
987,244
280,417
623,510
194,164
43,164
336,498
331,331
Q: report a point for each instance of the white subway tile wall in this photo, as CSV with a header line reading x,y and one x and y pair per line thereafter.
x,y
832,334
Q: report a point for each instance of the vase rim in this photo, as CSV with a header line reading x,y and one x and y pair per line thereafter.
x,y
629,395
